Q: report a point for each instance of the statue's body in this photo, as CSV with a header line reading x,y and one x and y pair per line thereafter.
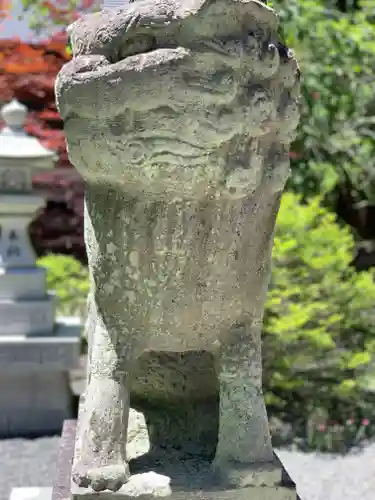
x,y
179,115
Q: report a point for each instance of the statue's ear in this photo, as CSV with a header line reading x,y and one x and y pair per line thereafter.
x,y
256,10
216,17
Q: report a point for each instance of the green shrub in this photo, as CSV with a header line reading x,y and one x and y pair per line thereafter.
x,y
336,137
319,326
69,279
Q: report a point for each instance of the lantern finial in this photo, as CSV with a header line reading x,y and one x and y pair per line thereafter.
x,y
14,114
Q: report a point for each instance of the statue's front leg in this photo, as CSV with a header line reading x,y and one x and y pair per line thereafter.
x,y
100,458
244,436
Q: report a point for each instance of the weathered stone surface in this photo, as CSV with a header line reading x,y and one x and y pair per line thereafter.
x,y
156,483
179,116
269,483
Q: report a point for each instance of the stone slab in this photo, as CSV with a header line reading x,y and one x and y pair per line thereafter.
x,y
29,424
27,316
29,354
150,485
35,392
22,283
31,493
192,481
34,403
61,485
68,326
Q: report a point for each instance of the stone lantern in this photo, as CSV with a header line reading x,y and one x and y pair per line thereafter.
x,y
36,351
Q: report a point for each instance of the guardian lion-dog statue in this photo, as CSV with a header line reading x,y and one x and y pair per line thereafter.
x,y
179,115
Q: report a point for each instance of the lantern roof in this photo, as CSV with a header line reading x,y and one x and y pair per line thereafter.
x,y
15,143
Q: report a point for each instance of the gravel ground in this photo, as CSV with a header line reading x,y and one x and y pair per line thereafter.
x,y
26,462
318,477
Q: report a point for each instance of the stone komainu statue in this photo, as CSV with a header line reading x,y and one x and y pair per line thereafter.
x,y
179,115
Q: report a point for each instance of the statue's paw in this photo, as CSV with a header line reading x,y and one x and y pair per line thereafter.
x,y
108,477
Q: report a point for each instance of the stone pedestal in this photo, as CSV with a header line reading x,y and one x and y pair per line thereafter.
x,y
35,396
190,479
36,352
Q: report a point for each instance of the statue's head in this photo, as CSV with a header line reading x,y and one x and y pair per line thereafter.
x,y
180,95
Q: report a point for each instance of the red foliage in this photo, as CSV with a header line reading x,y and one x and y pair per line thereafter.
x,y
4,9
293,155
27,73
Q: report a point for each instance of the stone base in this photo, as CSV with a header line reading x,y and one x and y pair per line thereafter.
x,y
190,479
22,283
34,404
56,352
27,316
168,478
35,394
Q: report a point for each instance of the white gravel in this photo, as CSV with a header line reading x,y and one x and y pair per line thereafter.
x,y
318,477
332,477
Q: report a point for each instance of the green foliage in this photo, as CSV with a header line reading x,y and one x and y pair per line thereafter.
x,y
336,52
69,279
319,328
